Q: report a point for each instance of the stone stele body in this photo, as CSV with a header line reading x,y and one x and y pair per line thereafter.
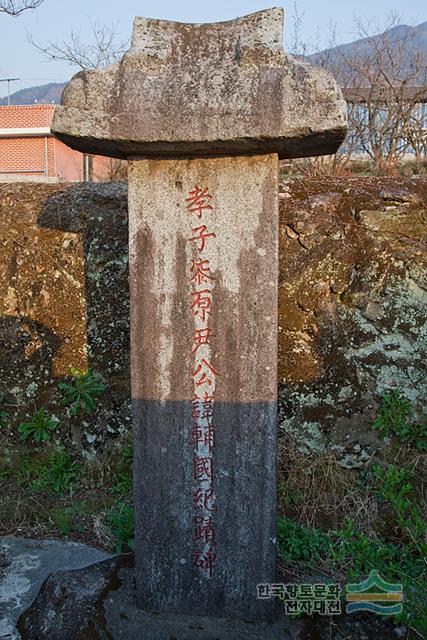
x,y
203,112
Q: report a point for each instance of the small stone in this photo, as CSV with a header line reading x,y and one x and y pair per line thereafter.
x,y
25,564
399,196
325,201
291,233
373,311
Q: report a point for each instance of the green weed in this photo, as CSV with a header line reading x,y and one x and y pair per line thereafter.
x,y
120,519
58,475
395,418
4,416
39,427
123,476
67,519
289,496
354,554
82,393
128,455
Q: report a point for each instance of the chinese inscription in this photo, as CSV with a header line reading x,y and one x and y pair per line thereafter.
x,y
199,206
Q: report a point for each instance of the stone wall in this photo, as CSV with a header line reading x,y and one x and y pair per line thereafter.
x,y
352,291
353,294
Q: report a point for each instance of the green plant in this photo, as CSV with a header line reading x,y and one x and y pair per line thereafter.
x,y
62,471
82,392
122,484
395,418
66,519
348,554
59,475
128,455
63,521
3,419
394,486
298,543
24,469
39,427
123,476
120,519
289,496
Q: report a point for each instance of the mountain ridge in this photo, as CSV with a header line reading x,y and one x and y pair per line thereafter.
x,y
40,94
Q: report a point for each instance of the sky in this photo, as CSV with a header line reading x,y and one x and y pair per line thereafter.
x,y
54,19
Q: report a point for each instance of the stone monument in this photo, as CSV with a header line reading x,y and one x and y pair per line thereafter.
x,y
203,112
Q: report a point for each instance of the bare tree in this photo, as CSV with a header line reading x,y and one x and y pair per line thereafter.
x,y
110,169
416,132
384,80
298,47
14,8
104,49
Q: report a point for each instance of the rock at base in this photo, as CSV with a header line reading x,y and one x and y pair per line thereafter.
x,y
99,603
69,605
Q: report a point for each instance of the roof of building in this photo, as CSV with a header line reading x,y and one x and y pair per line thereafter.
x,y
26,116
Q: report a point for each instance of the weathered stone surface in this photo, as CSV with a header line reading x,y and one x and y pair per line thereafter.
x,y
207,89
204,387
69,605
325,335
25,564
352,309
63,254
115,615
243,260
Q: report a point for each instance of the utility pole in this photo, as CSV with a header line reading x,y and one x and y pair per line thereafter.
x,y
8,80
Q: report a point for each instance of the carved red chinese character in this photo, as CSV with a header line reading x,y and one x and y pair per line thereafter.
x,y
206,411
200,269
198,201
203,469
207,373
197,434
204,561
209,437
201,236
205,499
204,529
201,337
202,301
197,405
195,412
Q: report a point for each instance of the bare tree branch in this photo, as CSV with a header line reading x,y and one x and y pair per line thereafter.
x,y
104,49
298,47
15,8
384,79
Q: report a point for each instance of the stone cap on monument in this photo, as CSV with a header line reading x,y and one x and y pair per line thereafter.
x,y
191,90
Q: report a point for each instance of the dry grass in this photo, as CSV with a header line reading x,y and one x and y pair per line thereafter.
x,y
317,492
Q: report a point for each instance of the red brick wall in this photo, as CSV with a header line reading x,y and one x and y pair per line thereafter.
x,y
26,155
22,155
69,163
